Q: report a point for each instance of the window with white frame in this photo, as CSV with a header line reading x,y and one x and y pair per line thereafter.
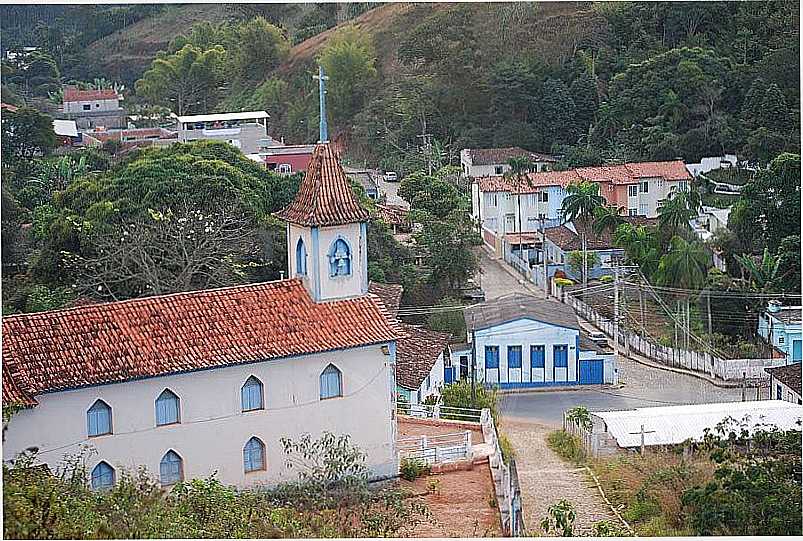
x,y
645,187
642,209
284,168
254,455
632,190
339,259
632,212
251,397
171,468
102,476
497,169
331,381
489,198
545,197
167,408
99,419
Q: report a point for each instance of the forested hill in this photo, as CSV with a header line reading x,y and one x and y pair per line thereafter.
x,y
596,82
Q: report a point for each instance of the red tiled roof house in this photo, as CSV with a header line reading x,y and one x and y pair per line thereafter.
x,y
209,381
93,108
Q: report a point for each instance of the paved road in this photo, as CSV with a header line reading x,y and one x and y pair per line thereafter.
x,y
391,190
643,386
496,280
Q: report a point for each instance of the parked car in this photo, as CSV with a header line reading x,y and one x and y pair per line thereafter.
x,y
473,293
391,176
598,338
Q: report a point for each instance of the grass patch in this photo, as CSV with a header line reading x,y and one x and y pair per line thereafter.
x,y
650,487
506,447
567,446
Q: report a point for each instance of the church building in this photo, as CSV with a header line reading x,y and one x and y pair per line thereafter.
x,y
208,382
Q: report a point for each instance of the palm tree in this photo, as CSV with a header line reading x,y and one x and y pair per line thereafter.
x,y
581,201
762,276
684,266
675,212
607,218
640,244
519,167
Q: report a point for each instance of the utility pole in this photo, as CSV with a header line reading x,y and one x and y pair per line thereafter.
x,y
427,140
710,335
641,303
585,262
473,363
543,256
616,312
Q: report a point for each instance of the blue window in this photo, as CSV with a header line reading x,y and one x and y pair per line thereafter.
x,y
102,476
167,408
251,394
561,356
171,468
99,419
254,455
339,259
331,382
491,357
778,392
301,258
537,356
514,356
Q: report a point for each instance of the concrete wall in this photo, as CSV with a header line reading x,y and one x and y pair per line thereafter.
x,y
246,137
213,430
524,333
94,106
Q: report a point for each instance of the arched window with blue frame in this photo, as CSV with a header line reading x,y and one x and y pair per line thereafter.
x,y
331,382
251,395
171,468
339,258
254,455
99,419
168,408
301,258
102,476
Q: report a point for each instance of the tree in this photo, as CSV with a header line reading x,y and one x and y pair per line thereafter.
x,y
450,242
349,61
257,48
575,260
685,265
763,275
27,133
789,263
607,218
556,113
768,209
513,88
641,246
34,73
186,81
581,201
584,95
560,519
451,321
675,212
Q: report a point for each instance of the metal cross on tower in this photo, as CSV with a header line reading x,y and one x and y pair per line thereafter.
x,y
324,129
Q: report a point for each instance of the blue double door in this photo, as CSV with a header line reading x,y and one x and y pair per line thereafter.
x,y
592,371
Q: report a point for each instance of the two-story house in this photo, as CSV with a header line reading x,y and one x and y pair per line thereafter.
x,y
525,341
493,162
246,130
194,383
780,326
93,108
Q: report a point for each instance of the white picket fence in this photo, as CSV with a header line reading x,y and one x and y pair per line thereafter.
x,y
436,449
427,411
508,495
703,362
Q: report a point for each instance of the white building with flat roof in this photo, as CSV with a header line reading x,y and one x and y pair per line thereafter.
x,y
243,130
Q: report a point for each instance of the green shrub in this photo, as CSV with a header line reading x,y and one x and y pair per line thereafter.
x,y
567,446
458,395
508,452
608,528
411,469
642,508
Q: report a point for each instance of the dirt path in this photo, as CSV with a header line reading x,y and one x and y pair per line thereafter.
x,y
546,479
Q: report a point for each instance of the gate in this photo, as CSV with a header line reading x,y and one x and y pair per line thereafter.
x,y
591,371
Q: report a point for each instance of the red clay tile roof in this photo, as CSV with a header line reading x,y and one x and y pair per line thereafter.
x,y
8,107
389,294
12,392
491,156
325,196
393,214
71,93
628,173
568,240
155,336
417,353
789,375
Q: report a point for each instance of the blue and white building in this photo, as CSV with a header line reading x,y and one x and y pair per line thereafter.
x,y
780,326
523,341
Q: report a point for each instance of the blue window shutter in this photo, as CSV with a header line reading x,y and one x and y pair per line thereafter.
x,y
102,476
331,382
251,394
514,356
561,356
491,356
537,356
254,455
167,408
170,468
99,419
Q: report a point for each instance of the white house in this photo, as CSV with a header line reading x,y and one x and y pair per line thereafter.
x,y
489,162
523,341
209,381
93,108
785,383
712,162
246,130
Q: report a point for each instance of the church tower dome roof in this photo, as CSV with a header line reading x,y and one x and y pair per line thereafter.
x,y
325,197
